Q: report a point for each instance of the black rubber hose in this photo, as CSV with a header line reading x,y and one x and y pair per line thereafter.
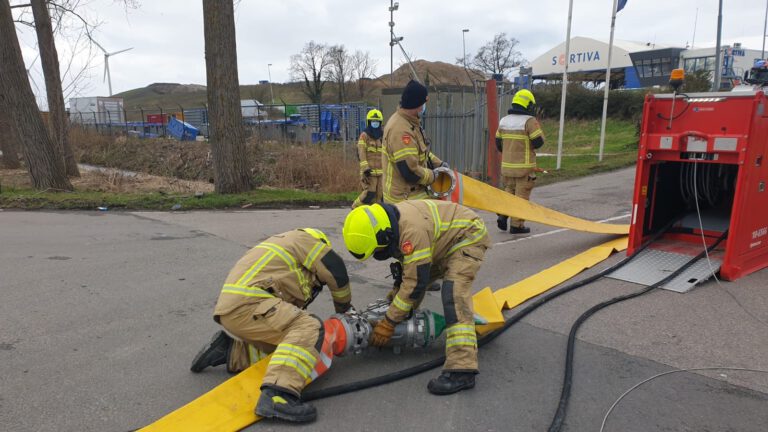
x,y
311,395
562,407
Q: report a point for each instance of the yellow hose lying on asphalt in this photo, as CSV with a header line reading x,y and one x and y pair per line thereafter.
x,y
476,194
229,406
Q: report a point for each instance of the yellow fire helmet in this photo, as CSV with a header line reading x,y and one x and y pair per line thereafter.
x,y
374,115
524,98
365,230
316,233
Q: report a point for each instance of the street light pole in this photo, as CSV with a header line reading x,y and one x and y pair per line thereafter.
x,y
765,30
464,48
718,48
393,6
269,71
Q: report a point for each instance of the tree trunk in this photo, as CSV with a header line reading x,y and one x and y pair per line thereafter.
x,y
9,145
45,165
49,59
226,131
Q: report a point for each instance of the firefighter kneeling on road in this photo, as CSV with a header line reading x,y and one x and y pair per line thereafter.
x,y
431,239
407,161
518,136
369,153
261,308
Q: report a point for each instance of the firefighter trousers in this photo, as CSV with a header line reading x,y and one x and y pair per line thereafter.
x,y
371,193
461,339
297,338
520,187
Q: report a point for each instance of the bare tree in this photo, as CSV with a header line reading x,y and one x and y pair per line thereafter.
x,y
498,56
364,68
45,164
49,59
8,142
227,135
310,66
341,70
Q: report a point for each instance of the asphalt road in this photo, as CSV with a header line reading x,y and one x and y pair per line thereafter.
x,y
102,312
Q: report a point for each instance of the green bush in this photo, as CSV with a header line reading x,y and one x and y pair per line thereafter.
x,y
584,103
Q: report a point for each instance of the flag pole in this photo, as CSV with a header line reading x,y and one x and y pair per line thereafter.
x,y
607,82
565,85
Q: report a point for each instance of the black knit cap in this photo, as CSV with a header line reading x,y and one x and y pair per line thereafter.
x,y
414,95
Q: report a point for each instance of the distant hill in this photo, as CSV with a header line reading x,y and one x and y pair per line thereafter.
x,y
170,95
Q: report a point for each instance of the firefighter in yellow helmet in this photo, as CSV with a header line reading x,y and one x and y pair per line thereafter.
x,y
431,239
369,153
518,137
407,160
262,309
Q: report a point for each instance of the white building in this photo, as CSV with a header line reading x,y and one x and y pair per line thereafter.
x,y
637,64
95,109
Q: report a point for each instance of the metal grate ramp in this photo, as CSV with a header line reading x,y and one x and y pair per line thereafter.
x,y
655,263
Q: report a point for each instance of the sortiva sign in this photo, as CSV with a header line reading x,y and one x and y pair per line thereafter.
x,y
581,57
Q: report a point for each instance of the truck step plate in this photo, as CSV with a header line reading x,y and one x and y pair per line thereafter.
x,y
659,260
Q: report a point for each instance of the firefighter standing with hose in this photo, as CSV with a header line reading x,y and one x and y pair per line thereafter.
x,y
369,152
406,160
517,138
430,239
262,304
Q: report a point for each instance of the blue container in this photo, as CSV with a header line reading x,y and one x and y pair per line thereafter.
x,y
182,131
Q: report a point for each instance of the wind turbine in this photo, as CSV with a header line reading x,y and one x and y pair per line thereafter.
x,y
107,55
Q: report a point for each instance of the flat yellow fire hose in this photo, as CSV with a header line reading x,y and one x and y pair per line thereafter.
x,y
476,194
230,405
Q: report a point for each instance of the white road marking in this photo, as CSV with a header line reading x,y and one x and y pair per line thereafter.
x,y
557,231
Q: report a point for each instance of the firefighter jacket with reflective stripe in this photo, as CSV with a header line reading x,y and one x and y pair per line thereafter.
x,y
518,159
405,159
292,266
429,232
369,153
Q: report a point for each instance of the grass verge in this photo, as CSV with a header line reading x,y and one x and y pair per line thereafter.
x,y
581,142
85,200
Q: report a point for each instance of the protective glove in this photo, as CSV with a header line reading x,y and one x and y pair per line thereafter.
x,y
367,172
382,333
342,307
444,165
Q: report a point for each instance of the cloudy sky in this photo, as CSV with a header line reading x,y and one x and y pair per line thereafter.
x,y
167,35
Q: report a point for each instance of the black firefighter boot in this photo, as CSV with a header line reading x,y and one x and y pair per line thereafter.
x,y
213,354
451,382
280,404
501,222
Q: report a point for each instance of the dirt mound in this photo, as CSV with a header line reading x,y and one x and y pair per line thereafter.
x,y
439,73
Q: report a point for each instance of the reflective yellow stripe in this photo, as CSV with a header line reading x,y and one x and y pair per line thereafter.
x,y
346,292
362,143
418,255
425,177
527,164
245,290
363,163
498,133
403,153
461,342
298,352
374,149
292,362
255,268
313,254
521,137
474,238
459,328
437,222
291,261
536,133
376,172
402,305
